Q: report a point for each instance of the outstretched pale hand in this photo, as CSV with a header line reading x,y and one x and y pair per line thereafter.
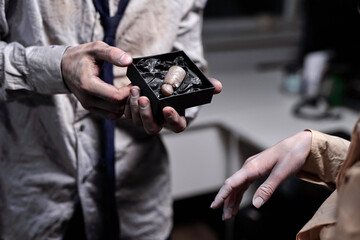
x,y
81,66
278,163
139,110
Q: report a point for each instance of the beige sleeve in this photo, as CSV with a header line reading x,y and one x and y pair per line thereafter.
x,y
26,70
326,156
189,36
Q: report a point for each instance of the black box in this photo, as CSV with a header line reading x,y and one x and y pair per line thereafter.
x,y
201,95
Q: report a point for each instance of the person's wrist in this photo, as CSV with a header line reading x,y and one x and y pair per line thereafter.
x,y
62,68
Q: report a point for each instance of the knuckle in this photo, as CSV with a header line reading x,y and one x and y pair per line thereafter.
x,y
225,191
96,46
228,185
255,168
111,52
251,164
248,160
266,190
99,44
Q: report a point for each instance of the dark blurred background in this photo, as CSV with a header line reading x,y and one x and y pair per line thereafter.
x,y
232,8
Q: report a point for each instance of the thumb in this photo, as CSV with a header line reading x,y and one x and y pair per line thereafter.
x,y
113,55
217,84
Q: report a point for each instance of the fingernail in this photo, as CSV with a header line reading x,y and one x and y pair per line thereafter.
x,y
143,104
125,59
212,204
134,92
258,202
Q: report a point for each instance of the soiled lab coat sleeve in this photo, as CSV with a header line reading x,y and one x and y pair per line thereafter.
x,y
189,32
326,156
25,70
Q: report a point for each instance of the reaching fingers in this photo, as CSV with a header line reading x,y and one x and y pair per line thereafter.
x,y
239,181
223,193
290,155
277,162
231,204
232,184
